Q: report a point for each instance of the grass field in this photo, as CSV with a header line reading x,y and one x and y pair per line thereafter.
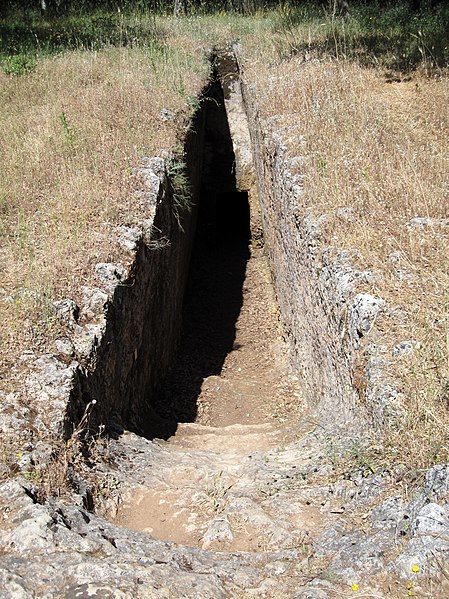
x,y
72,131
367,98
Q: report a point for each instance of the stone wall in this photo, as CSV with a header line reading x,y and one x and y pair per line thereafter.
x,y
141,316
324,317
330,321
122,339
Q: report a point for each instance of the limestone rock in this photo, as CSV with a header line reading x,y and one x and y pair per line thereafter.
x,y
404,348
219,531
65,346
110,274
420,222
14,415
362,314
67,311
166,115
13,587
49,384
95,303
437,482
429,545
128,237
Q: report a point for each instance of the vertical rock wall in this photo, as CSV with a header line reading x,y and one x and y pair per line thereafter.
x,y
314,320
134,317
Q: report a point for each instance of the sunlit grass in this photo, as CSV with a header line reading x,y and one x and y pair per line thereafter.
x,y
80,102
72,131
375,146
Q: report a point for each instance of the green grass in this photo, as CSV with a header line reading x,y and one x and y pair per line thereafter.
x,y
391,36
26,37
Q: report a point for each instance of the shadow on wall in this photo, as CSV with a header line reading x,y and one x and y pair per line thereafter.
x,y
213,302
215,288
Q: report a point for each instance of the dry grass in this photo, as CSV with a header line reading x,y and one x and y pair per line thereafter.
x,y
379,149
71,133
73,129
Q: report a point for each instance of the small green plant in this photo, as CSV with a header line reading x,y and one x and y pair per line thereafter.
x,y
361,459
330,576
182,196
321,165
194,103
180,87
69,132
18,64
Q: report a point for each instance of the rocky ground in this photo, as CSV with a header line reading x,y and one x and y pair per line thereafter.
x,y
236,506
254,495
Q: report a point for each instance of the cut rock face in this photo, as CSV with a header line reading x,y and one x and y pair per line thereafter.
x,y
362,314
270,519
264,495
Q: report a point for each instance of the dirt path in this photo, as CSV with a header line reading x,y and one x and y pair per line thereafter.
x,y
264,489
255,384
243,407
232,366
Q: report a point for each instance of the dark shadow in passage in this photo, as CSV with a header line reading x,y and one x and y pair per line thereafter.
x,y
212,305
215,288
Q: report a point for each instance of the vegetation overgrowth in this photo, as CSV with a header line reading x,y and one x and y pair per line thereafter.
x,y
373,33
81,95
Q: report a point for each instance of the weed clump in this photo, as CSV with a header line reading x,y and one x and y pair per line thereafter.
x,y
180,184
18,64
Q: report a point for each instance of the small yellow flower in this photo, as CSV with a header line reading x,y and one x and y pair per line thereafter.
x,y
410,593
415,568
355,587
19,455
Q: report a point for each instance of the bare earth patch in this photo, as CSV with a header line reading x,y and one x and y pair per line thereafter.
x,y
255,384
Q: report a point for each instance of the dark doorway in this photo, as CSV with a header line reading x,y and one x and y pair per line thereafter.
x,y
214,293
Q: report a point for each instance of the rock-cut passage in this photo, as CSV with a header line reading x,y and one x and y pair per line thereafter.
x,y
248,474
231,388
232,363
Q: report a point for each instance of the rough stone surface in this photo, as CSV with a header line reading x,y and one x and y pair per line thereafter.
x,y
67,311
421,222
129,237
264,519
124,335
110,275
315,321
238,511
404,348
50,384
362,314
94,304
327,315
